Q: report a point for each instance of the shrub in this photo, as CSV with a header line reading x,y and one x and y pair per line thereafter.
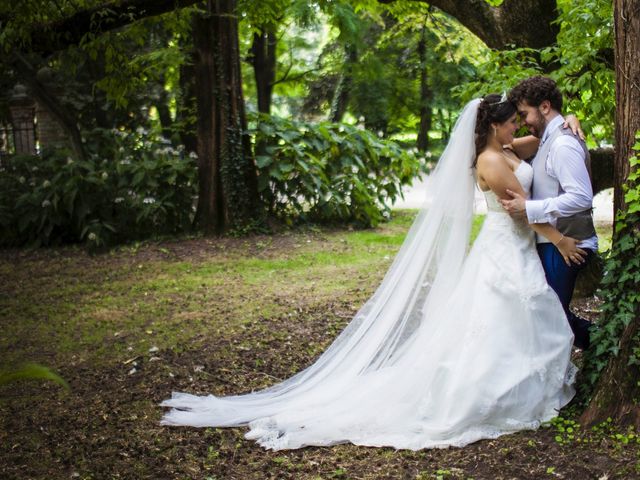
x,y
132,185
132,188
330,172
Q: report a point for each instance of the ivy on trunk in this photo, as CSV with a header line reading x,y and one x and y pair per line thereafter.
x,y
228,194
618,389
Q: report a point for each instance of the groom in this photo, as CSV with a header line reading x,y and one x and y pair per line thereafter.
x,y
561,194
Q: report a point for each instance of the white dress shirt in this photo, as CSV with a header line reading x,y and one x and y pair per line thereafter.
x,y
566,164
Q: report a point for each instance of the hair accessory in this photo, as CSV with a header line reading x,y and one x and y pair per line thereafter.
x,y
503,99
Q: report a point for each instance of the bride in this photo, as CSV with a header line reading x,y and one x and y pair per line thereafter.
x,y
454,346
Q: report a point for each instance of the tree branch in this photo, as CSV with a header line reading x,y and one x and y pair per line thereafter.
x,y
523,23
294,78
73,29
50,102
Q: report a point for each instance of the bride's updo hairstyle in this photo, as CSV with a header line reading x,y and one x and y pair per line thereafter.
x,y
494,108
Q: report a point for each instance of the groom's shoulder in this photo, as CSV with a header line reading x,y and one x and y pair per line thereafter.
x,y
567,140
566,132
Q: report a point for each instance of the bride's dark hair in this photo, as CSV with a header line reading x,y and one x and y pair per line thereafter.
x,y
494,108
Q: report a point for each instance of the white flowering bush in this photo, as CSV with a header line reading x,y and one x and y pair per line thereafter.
x,y
130,187
331,172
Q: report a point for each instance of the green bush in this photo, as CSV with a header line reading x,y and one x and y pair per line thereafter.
x,y
330,172
132,188
132,185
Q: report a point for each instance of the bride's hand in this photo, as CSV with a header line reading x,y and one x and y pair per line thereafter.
x,y
570,251
573,123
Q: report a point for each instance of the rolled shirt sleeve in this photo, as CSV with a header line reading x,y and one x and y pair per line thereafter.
x,y
566,163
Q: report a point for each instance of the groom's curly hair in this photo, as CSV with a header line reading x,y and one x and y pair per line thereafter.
x,y
535,90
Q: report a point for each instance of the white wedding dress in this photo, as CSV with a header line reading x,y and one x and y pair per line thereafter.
x,y
452,347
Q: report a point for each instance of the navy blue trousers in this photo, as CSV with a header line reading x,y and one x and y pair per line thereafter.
x,y
562,279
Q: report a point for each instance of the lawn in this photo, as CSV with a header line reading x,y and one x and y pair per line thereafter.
x,y
207,315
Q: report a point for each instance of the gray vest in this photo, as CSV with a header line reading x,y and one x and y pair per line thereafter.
x,y
579,225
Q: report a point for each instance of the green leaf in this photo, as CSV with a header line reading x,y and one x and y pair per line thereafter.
x,y
32,371
263,161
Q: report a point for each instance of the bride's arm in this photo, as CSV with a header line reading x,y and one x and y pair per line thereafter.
x,y
526,147
567,246
495,172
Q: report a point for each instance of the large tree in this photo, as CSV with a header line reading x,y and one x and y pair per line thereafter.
x,y
617,392
228,187
627,67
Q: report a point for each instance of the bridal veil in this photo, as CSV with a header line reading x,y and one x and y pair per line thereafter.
x,y
363,361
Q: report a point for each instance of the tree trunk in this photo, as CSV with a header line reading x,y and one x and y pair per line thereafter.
x,y
164,114
445,124
618,389
343,88
187,110
425,118
96,69
425,95
627,59
263,59
228,194
602,167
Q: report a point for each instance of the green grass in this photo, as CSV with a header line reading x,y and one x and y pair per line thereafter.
x,y
605,234
105,306
65,303
478,220
247,310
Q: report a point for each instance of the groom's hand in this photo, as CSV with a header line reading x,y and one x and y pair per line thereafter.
x,y
516,206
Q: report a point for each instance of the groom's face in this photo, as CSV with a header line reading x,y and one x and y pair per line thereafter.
x,y
533,118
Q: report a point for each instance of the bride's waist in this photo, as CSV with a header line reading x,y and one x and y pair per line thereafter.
x,y
503,218
498,214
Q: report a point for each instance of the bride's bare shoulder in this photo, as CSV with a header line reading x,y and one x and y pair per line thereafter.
x,y
490,159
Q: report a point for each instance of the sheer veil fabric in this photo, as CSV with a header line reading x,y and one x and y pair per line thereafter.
x,y
439,355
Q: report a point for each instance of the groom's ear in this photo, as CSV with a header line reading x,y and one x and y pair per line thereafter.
x,y
545,107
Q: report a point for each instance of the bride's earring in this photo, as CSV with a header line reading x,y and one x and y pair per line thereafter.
x,y
495,131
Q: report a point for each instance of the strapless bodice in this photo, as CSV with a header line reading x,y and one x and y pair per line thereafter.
x,y
524,174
